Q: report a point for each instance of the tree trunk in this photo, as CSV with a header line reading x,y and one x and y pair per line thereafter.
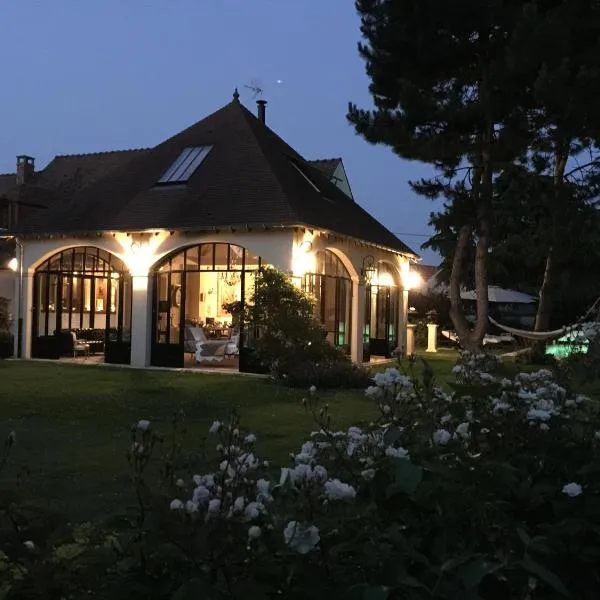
x,y
461,325
548,288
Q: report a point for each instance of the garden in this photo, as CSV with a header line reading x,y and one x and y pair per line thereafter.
x,y
457,476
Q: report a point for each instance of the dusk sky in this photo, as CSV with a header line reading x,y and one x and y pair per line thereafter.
x,y
82,76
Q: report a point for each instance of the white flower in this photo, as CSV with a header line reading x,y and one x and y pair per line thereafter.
x,y
441,436
176,505
320,473
215,427
180,483
143,424
286,475
238,505
368,474
254,532
312,389
253,510
214,506
572,490
397,452
12,437
373,391
544,427
307,453
338,490
250,438
201,495
597,435
29,545
191,507
300,538
264,494
463,430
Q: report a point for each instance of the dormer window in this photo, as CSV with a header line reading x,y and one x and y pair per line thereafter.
x,y
185,165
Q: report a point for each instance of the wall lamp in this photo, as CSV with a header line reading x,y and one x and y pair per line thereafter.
x,y
368,269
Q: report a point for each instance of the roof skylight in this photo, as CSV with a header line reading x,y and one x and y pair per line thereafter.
x,y
185,164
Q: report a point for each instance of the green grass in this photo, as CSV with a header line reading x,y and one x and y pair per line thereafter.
x,y
73,423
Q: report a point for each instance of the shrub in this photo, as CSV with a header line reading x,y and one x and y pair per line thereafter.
x,y
488,492
288,340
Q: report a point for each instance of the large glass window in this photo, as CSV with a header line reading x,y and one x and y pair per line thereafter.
x,y
85,290
331,287
196,287
382,308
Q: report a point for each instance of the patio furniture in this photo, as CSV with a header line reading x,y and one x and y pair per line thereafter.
x,y
232,347
193,335
70,345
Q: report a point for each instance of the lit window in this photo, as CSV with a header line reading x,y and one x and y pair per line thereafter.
x,y
185,165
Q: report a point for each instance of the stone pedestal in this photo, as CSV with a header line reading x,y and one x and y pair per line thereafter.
x,y
431,337
410,339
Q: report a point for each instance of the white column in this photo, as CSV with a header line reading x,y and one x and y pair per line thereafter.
x,y
358,321
403,320
141,325
410,339
431,337
26,311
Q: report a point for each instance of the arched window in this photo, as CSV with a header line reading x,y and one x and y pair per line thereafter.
x,y
194,289
331,287
382,310
84,291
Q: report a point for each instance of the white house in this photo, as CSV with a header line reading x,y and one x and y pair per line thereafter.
x,y
130,256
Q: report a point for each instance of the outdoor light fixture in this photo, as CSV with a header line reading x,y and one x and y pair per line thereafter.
x,y
13,264
306,245
368,269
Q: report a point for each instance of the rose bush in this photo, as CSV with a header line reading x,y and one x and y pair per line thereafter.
x,y
488,490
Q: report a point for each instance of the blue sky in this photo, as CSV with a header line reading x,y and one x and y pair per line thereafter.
x,y
82,76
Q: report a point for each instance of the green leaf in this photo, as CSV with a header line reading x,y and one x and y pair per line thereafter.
x,y
476,570
391,436
451,564
546,576
406,477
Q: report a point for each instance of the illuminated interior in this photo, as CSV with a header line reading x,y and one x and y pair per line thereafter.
x,y
382,308
83,289
193,288
331,287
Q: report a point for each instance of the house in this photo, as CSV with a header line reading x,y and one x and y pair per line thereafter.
x,y
131,256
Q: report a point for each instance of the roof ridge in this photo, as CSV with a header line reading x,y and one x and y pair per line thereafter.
x,y
246,113
314,160
101,153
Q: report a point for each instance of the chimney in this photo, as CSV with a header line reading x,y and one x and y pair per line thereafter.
x,y
25,169
262,110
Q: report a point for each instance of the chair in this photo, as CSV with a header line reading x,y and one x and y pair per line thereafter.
x,y
232,347
192,337
79,346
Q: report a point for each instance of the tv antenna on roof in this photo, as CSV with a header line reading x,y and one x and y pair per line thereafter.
x,y
256,88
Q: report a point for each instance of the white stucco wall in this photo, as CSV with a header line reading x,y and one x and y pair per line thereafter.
x,y
281,248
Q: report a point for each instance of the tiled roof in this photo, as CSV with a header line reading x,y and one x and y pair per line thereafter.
x,y
250,178
63,176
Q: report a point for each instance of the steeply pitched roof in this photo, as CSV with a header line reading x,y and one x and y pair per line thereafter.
x,y
251,177
62,177
327,166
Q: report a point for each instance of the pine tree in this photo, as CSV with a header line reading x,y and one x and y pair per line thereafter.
x,y
449,90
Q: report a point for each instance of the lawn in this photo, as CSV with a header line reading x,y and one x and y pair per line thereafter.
x,y
73,423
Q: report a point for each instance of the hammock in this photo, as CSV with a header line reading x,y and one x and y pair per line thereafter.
x,y
548,335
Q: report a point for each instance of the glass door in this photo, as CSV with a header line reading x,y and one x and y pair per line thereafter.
x,y
167,317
